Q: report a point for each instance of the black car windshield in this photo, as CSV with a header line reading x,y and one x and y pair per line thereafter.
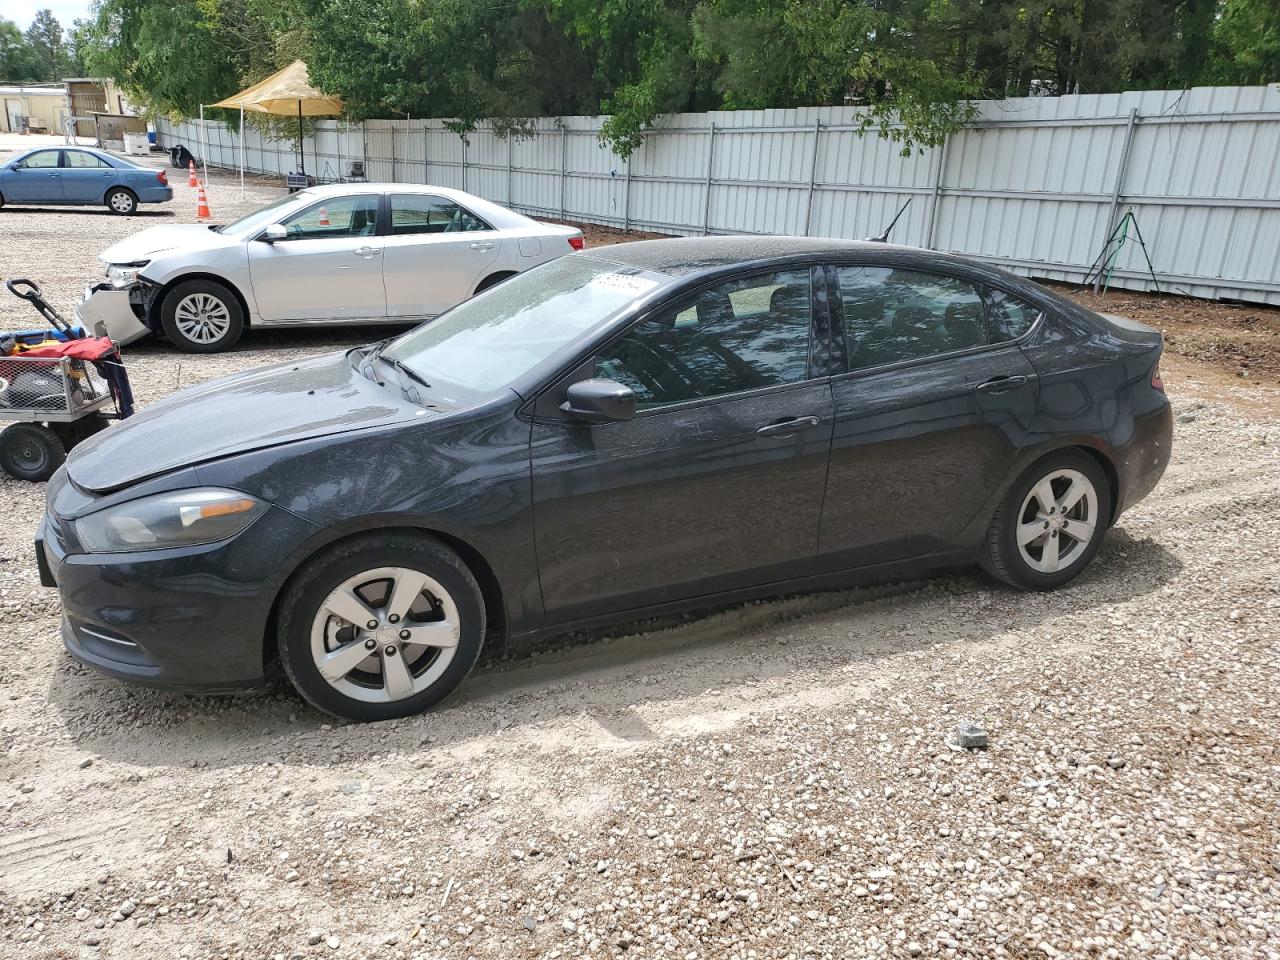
x,y
488,342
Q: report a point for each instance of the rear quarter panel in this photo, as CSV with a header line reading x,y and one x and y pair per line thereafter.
x,y
1095,391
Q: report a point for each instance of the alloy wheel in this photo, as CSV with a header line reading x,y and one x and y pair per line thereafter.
x,y
1057,521
385,635
202,318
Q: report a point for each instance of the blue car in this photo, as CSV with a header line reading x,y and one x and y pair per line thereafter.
x,y
78,175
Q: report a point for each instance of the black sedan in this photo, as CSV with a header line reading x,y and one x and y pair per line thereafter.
x,y
639,429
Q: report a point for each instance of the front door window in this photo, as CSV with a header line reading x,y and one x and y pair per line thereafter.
x,y
737,336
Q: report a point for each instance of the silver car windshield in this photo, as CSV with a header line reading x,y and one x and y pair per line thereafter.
x,y
490,341
250,224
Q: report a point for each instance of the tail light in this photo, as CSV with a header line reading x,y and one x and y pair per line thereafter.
x,y
163,178
1156,380
577,242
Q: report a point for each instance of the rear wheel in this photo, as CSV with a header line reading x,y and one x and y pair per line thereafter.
x,y
381,627
30,451
1050,524
201,316
494,279
122,201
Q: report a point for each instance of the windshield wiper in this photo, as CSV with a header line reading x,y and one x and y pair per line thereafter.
x,y
406,371
366,362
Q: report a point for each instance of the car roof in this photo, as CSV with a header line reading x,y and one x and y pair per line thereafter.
x,y
478,205
683,257
104,154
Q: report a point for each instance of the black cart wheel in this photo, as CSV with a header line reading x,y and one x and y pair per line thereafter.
x,y
30,451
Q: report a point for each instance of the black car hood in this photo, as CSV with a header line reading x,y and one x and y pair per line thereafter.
x,y
274,405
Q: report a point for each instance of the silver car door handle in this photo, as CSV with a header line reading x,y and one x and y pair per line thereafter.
x,y
1003,384
482,245
789,427
366,252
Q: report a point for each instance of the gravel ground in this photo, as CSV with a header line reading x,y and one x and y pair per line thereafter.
x,y
775,780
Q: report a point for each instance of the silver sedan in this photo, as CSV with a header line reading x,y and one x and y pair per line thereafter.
x,y
337,254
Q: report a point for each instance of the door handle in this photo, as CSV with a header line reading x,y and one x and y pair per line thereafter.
x,y
789,427
1003,384
366,252
482,245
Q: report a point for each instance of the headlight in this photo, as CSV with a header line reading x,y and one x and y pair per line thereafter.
x,y
181,518
125,274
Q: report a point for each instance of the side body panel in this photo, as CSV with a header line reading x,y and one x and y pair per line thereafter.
x,y
678,503
917,452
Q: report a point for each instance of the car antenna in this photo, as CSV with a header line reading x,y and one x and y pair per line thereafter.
x,y
884,237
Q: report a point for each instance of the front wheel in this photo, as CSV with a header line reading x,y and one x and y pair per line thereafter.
x,y
1050,524
121,201
201,316
381,627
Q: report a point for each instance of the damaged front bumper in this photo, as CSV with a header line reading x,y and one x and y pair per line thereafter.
x,y
118,313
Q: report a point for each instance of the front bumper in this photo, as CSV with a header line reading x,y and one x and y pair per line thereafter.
x,y
192,619
108,312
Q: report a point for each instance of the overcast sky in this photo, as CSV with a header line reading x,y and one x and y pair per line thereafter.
x,y
22,12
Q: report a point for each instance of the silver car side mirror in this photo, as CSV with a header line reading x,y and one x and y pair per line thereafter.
x,y
274,232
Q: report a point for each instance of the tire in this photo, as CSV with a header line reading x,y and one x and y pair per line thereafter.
x,y
1057,553
201,316
493,279
30,451
369,681
121,201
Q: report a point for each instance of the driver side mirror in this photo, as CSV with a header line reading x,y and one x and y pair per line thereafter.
x,y
275,232
600,401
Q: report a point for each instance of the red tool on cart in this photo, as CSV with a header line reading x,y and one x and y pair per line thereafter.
x,y
58,385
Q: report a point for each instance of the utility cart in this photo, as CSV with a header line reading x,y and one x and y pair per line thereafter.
x,y
57,387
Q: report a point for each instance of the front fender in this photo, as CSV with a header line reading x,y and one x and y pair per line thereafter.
x,y
228,266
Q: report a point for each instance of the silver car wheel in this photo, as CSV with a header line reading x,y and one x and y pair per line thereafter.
x,y
121,202
385,634
202,318
1057,521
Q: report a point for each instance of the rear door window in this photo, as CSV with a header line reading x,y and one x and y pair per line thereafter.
x,y
414,213
893,315
81,160
1008,317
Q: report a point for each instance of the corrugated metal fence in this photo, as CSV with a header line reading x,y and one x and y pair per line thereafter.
x,y
1035,184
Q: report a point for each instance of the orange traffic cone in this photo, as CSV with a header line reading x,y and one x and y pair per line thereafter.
x,y
202,205
191,173
324,218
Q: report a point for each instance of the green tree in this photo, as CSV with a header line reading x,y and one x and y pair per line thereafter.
x,y
18,63
1246,43
170,56
48,46
891,57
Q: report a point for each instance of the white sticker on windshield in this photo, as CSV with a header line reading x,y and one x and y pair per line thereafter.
x,y
625,281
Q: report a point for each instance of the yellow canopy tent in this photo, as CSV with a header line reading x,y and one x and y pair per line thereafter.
x,y
286,93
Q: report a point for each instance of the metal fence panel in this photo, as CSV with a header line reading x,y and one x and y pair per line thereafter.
x,y
1035,184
